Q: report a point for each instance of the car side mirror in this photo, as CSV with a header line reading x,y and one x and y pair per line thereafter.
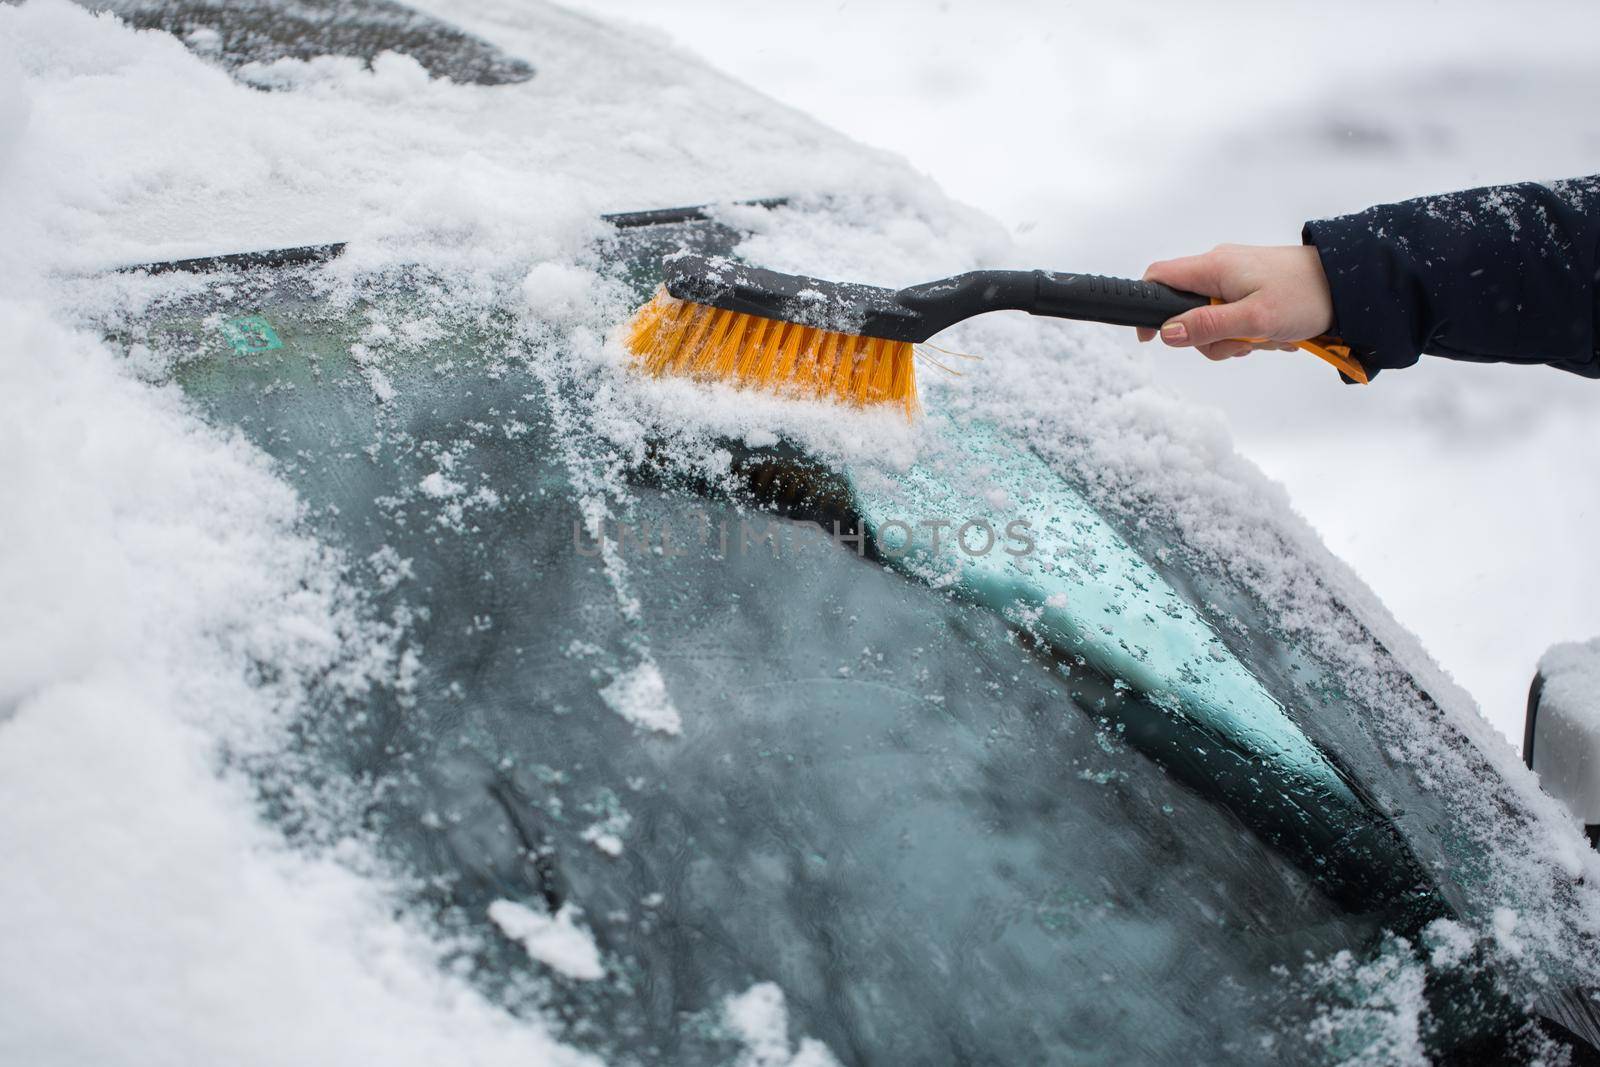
x,y
1561,734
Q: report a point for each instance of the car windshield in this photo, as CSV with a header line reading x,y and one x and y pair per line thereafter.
x,y
726,757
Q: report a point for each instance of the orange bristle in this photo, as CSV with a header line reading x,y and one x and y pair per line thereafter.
x,y
672,336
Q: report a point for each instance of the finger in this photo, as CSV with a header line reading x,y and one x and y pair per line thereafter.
x,y
1215,322
1145,334
1197,274
1220,350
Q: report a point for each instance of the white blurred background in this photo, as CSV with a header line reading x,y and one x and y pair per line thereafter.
x,y
1107,135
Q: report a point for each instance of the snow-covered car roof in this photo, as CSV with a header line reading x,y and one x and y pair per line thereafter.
x,y
365,670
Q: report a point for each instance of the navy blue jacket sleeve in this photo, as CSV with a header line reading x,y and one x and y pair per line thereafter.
x,y
1506,274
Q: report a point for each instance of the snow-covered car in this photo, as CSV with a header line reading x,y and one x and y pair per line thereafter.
x,y
670,723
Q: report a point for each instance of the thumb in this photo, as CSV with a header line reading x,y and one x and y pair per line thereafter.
x,y
1215,322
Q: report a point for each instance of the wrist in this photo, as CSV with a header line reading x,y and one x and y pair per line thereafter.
x,y
1319,295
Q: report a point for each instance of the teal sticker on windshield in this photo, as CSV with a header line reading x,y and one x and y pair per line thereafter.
x,y
249,334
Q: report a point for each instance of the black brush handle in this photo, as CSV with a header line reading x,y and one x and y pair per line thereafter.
x,y
1118,301
1092,297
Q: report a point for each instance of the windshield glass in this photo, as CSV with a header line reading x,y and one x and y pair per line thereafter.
x,y
693,755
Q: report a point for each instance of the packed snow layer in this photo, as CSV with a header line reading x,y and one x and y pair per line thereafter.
x,y
148,915
152,564
1571,673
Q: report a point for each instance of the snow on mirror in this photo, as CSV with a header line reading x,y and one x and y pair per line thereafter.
x,y
799,771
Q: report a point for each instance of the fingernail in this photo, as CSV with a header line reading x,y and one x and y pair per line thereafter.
x,y
1174,331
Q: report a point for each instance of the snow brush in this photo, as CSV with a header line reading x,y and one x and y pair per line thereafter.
x,y
714,319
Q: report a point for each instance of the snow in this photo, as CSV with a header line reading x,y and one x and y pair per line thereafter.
x,y
151,562
1504,925
639,695
439,487
603,840
1571,673
558,293
1449,943
759,1018
1378,1023
556,941
148,915
13,108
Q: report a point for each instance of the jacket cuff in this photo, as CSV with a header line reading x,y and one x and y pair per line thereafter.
x,y
1368,276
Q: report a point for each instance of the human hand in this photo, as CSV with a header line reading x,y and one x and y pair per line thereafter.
x,y
1275,294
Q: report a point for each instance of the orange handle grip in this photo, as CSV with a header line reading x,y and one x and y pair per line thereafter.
x,y
1334,351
